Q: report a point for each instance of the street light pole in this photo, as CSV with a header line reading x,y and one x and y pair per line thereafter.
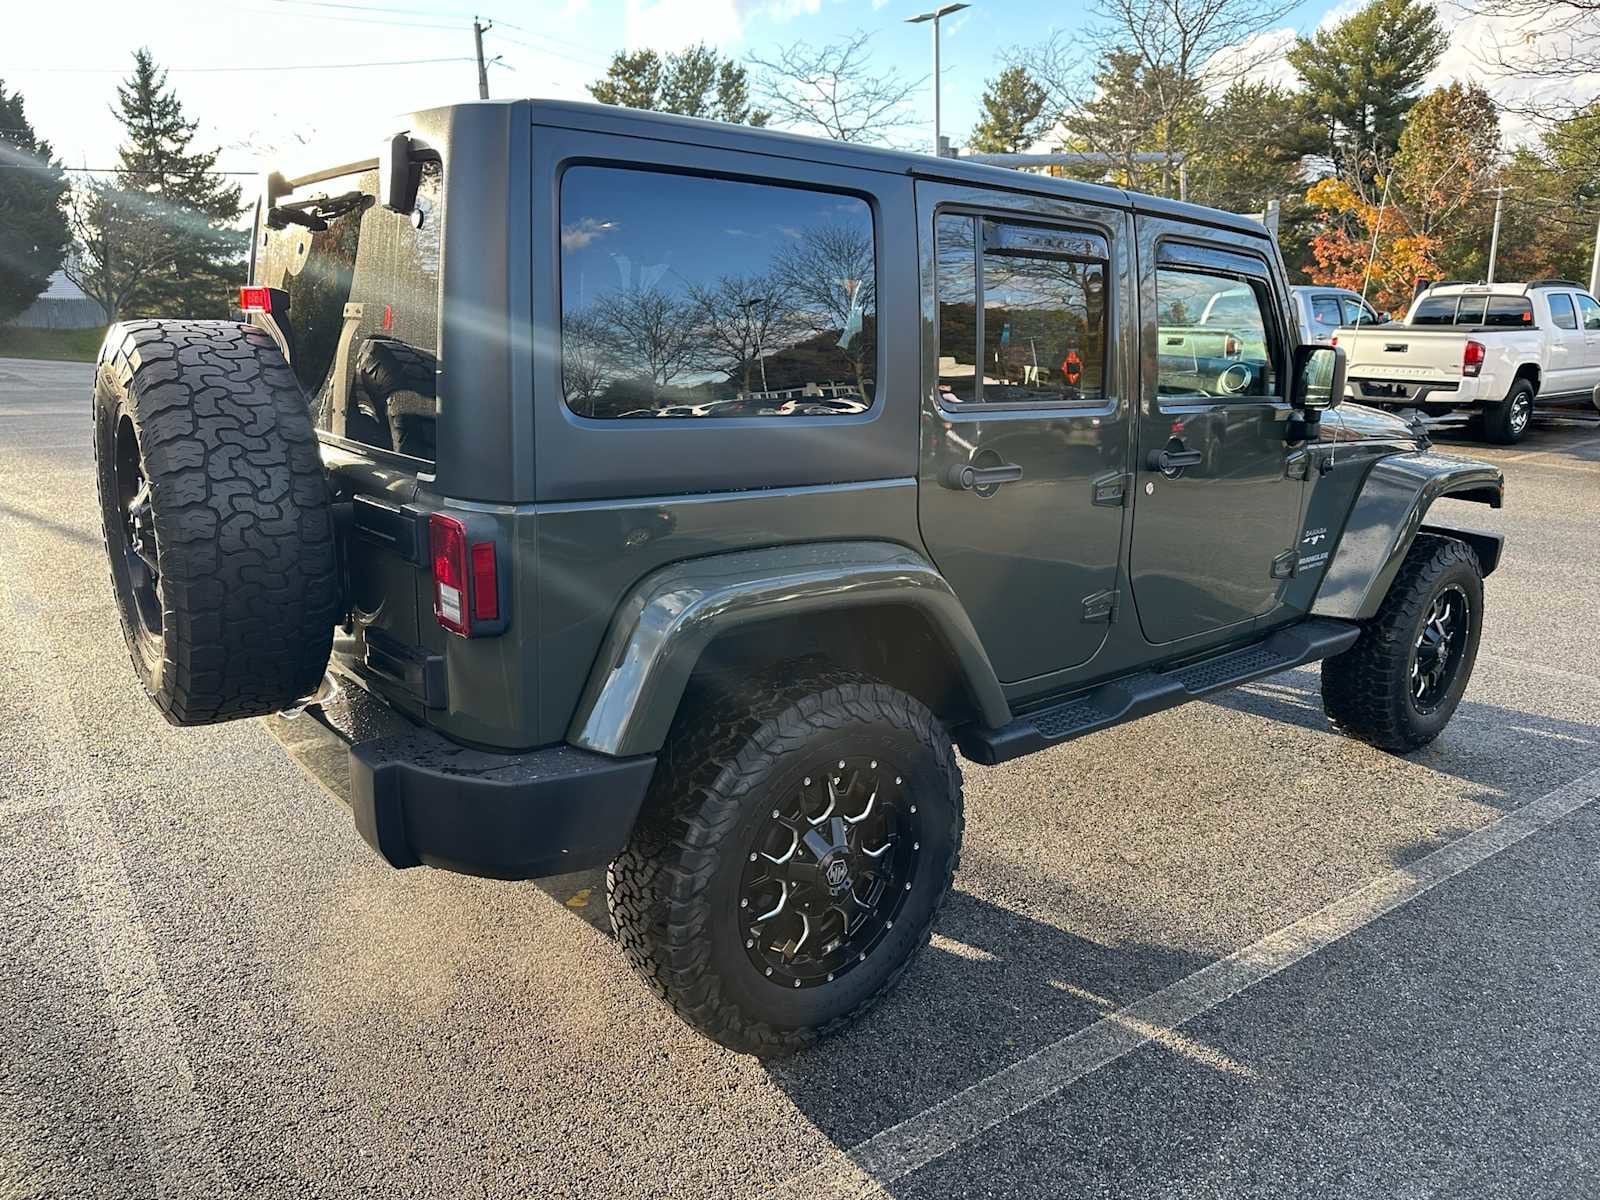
x,y
1494,236
934,15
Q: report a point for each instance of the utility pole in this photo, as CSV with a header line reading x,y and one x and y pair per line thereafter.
x,y
1494,236
934,15
478,30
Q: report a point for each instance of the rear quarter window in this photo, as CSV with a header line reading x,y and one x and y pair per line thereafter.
x,y
688,297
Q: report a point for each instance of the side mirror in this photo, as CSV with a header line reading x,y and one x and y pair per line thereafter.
x,y
1318,377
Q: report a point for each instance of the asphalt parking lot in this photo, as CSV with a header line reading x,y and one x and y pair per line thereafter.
x,y
1220,952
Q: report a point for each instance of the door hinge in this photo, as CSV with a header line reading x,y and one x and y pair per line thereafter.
x,y
1110,491
1297,465
1283,565
1102,606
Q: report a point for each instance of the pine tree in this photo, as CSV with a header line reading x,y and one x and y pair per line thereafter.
x,y
694,82
33,225
1013,113
177,185
1363,75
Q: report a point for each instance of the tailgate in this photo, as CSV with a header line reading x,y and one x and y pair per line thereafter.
x,y
1403,353
357,303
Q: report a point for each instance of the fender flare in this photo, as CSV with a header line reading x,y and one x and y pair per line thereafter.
x,y
671,615
1388,514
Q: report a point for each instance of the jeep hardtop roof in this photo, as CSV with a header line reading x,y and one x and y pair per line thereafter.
x,y
633,122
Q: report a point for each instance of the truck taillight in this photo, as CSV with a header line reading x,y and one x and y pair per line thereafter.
x,y
1472,359
1230,347
466,577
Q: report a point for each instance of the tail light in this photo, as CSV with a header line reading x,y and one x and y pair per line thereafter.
x,y
1472,359
1230,347
1334,340
466,578
255,299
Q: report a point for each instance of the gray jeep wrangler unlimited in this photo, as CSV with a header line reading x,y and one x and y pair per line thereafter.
x,y
615,488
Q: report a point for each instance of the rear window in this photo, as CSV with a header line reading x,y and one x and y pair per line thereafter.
x,y
1474,309
363,287
1508,310
1435,310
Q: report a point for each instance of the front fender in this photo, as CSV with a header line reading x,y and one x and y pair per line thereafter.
x,y
1386,518
671,616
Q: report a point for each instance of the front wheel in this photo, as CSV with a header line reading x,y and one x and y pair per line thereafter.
x,y
1399,685
796,844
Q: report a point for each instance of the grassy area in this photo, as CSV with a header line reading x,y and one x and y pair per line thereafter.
x,y
69,345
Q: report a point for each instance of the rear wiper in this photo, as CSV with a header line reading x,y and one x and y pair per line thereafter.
x,y
315,213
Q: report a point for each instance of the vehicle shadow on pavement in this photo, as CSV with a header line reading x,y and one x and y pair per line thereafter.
x,y
993,986
1487,745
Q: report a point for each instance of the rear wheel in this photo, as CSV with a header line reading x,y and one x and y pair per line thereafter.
x,y
1399,685
795,847
215,516
1507,421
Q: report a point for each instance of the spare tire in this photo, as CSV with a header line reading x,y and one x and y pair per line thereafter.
x,y
216,518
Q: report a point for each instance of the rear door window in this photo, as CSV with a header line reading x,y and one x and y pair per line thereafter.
x,y
1325,309
686,297
1022,312
363,319
1561,311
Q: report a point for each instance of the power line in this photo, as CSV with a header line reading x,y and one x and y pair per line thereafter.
x,y
345,66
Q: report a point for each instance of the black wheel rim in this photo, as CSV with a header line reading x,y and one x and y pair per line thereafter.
x,y
138,531
829,872
1436,658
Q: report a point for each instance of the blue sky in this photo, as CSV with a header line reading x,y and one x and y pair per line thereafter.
x,y
550,48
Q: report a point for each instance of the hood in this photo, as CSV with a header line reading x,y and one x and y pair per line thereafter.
x,y
1352,422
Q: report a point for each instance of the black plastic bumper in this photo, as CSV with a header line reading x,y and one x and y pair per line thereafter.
x,y
419,798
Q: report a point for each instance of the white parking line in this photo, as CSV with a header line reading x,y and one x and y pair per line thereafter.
x,y
867,1169
180,1151
1538,668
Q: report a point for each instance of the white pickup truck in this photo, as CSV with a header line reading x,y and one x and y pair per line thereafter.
x,y
1486,350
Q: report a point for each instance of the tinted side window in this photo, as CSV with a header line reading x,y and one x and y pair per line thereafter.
x,y
1588,310
1202,353
1040,332
1513,311
1561,312
1435,310
1326,310
684,296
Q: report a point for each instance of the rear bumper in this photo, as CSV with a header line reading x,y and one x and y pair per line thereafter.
x,y
418,798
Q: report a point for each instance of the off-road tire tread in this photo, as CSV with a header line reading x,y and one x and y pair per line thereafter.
x,y
240,505
1363,688
722,741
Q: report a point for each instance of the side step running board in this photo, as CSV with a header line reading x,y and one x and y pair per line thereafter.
x,y
1139,695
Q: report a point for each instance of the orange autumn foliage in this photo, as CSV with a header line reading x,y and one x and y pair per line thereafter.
x,y
1341,250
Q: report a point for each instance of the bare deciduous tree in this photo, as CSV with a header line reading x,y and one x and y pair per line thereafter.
x,y
120,240
834,89
1159,60
1554,42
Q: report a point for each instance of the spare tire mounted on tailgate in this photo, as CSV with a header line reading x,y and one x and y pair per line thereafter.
x,y
216,518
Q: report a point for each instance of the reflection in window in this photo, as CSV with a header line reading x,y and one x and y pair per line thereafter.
x,y
1041,332
1212,336
691,297
363,315
1326,310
